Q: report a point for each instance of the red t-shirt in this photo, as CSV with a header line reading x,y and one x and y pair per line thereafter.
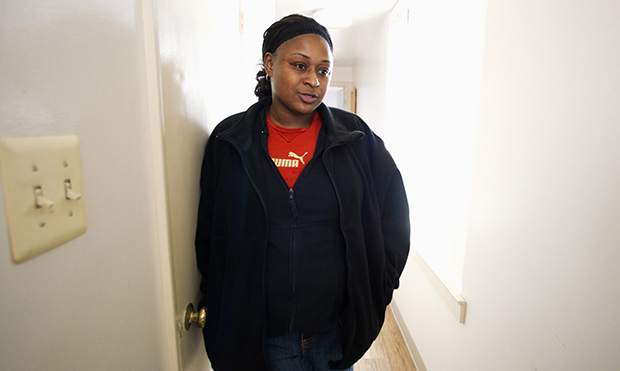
x,y
291,149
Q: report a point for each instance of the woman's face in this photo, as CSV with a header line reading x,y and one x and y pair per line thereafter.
x,y
300,71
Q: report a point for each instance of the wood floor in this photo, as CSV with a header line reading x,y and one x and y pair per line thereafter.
x,y
389,352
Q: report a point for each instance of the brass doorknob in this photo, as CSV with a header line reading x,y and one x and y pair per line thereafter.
x,y
199,317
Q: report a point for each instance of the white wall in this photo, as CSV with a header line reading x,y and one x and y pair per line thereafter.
x,y
540,274
370,74
74,67
342,74
257,16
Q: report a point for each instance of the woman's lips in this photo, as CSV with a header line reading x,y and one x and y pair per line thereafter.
x,y
308,97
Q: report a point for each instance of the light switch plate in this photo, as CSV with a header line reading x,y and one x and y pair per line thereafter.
x,y
42,165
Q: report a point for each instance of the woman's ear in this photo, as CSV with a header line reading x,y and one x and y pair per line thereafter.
x,y
268,63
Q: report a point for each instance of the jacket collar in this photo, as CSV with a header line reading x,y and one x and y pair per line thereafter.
x,y
253,121
337,132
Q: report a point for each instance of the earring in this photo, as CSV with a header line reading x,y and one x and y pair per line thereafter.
x,y
267,77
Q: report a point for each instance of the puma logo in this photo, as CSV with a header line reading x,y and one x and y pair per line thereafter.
x,y
300,158
287,162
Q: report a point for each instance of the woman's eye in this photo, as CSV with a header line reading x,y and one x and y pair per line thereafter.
x,y
300,66
324,72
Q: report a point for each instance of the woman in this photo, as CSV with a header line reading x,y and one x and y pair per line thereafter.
x,y
303,226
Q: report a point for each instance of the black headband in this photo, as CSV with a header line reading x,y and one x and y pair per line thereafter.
x,y
300,28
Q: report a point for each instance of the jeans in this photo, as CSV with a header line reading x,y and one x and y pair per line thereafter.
x,y
303,352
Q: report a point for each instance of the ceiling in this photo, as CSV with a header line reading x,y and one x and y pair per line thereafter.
x,y
348,42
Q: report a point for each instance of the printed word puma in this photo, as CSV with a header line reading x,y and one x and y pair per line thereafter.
x,y
284,162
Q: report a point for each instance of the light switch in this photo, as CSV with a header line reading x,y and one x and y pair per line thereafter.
x,y
43,193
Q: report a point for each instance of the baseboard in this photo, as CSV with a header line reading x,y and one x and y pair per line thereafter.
x,y
413,350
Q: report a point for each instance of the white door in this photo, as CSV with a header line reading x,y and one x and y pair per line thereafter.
x,y
198,56
171,56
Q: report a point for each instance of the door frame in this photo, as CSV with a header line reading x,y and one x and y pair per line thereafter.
x,y
169,328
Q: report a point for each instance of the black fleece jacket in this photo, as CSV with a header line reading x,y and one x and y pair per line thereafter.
x,y
232,234
306,267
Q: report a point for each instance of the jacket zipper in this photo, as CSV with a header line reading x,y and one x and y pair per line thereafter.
x,y
291,200
293,259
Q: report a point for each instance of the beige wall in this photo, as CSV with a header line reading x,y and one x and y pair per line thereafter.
x,y
94,69
73,67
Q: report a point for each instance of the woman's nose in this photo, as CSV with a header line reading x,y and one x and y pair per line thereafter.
x,y
312,79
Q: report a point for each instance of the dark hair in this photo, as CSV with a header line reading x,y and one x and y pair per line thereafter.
x,y
285,29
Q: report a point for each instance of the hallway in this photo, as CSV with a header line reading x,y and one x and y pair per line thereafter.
x,y
389,352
